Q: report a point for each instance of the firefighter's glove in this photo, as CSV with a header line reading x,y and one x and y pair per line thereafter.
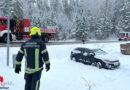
x,y
17,69
47,67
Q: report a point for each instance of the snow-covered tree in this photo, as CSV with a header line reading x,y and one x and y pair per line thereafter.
x,y
4,8
122,15
124,23
72,16
105,26
16,9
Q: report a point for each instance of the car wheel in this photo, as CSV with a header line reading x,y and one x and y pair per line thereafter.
x,y
73,58
5,38
46,39
125,39
119,40
109,66
99,65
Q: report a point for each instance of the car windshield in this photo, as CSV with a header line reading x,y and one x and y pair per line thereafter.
x,y
99,51
121,34
3,22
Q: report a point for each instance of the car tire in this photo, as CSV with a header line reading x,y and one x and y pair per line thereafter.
x,y
119,39
46,39
125,39
99,65
110,67
74,59
4,38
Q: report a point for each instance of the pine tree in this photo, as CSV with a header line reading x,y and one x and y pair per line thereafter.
x,y
81,24
105,26
122,11
16,9
4,8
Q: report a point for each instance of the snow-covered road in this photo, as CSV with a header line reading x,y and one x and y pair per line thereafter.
x,y
69,75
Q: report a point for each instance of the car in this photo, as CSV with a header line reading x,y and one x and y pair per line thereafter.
x,y
96,57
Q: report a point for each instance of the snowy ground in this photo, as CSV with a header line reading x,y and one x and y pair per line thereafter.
x,y
69,75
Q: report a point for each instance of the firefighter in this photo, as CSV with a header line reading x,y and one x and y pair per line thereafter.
x,y
18,29
13,24
83,37
36,55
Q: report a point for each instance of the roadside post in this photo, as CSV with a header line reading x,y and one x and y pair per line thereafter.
x,y
8,36
14,60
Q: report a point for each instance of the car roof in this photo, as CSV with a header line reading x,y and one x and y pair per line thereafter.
x,y
3,18
96,49
83,49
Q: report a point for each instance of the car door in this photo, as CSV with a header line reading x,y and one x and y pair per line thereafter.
x,y
89,56
78,54
85,57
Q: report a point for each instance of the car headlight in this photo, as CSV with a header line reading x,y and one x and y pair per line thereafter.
x,y
116,63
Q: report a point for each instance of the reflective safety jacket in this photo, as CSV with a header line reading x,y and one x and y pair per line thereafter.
x,y
35,53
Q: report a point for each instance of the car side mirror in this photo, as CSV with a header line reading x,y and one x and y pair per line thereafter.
x,y
91,54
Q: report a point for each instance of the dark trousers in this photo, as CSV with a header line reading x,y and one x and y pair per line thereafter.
x,y
32,81
83,41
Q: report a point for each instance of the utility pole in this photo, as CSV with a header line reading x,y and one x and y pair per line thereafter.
x,y
106,18
30,11
8,36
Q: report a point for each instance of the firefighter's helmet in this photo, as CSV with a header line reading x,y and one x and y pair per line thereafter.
x,y
34,31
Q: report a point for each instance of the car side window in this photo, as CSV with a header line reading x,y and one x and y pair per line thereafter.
x,y
127,35
77,51
83,51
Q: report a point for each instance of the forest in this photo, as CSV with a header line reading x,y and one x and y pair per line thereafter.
x,y
98,19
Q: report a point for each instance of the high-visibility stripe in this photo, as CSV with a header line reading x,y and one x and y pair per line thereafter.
x,y
37,83
44,51
18,63
25,52
28,70
36,58
21,51
47,62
